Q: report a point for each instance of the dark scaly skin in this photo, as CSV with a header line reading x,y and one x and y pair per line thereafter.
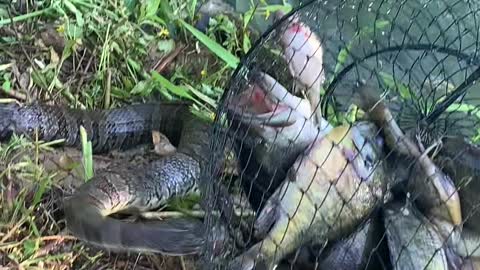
x,y
119,128
126,188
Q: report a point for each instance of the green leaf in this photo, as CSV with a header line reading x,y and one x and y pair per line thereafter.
x,y
87,154
247,18
203,97
39,192
152,7
177,90
73,31
74,10
230,59
142,87
130,4
401,88
166,46
466,108
193,7
342,57
246,43
30,246
7,84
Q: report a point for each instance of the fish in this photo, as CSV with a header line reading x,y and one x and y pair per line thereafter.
x,y
357,251
413,241
322,198
303,51
277,129
433,189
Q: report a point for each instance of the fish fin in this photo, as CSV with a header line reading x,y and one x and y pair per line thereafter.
x,y
266,218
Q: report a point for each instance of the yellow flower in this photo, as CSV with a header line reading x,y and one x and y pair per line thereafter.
x,y
164,32
203,73
267,14
61,29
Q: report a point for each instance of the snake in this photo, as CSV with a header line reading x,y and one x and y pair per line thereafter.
x,y
125,188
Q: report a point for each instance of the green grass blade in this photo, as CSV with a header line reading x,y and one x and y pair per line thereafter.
x,y
231,60
24,17
87,154
177,90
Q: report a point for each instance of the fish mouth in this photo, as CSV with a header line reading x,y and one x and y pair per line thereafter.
x,y
256,106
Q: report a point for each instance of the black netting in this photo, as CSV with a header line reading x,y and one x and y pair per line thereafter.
x,y
359,189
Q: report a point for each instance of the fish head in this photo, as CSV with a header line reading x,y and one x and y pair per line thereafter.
x,y
273,112
369,144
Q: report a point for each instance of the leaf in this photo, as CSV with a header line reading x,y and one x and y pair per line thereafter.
x,y
193,7
230,59
40,192
74,10
152,7
391,83
466,108
166,46
143,88
7,84
203,97
54,58
177,90
247,44
73,31
342,58
87,156
247,18
30,246
130,4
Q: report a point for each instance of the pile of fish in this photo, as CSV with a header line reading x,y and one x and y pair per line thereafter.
x,y
352,194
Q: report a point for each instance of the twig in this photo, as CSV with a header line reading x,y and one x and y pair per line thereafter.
x,y
13,230
108,89
16,94
195,213
17,36
163,63
182,263
25,16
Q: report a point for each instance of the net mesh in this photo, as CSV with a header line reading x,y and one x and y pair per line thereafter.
x,y
353,126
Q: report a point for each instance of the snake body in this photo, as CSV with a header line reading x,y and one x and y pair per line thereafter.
x,y
125,188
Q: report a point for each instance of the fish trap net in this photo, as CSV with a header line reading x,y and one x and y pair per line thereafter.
x,y
352,126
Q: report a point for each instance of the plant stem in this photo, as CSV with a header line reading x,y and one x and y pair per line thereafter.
x,y
25,16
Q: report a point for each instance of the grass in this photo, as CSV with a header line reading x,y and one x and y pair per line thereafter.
x,y
96,54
